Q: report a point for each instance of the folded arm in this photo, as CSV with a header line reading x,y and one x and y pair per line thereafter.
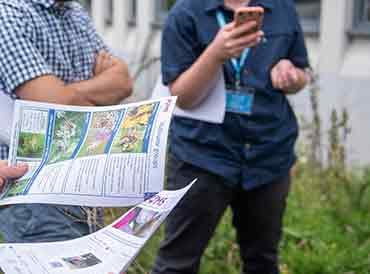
x,y
109,86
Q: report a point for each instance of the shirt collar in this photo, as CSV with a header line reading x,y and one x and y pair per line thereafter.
x,y
216,4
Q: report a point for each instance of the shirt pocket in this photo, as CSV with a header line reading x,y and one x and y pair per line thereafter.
x,y
268,53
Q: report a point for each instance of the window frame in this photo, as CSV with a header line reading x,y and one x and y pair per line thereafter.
x,y
310,25
161,13
132,15
86,4
360,26
109,14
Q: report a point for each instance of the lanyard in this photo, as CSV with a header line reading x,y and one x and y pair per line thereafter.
x,y
237,63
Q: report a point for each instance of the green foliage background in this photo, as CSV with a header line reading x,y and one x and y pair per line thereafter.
x,y
321,235
31,145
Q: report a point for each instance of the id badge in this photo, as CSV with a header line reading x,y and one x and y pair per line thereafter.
x,y
240,100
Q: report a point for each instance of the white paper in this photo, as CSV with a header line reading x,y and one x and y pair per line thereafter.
x,y
6,117
89,156
109,251
211,110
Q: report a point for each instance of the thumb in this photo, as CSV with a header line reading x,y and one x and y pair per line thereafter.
x,y
13,172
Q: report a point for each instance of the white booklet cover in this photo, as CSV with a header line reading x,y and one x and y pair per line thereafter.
x,y
89,156
211,110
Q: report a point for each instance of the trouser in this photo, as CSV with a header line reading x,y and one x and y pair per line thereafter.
x,y
32,223
257,218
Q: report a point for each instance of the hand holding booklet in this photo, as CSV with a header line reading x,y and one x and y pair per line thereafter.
x,y
89,156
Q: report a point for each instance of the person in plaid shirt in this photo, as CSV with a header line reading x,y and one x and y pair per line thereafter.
x,y
50,52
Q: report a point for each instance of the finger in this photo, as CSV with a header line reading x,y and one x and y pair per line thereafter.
x,y
98,63
274,78
237,51
251,43
13,172
280,81
107,61
284,77
2,184
101,59
293,75
229,27
104,58
246,41
244,29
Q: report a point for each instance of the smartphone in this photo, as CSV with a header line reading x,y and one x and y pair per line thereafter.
x,y
246,14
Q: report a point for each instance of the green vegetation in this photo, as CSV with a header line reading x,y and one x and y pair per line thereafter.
x,y
17,188
327,222
324,232
130,138
67,134
31,145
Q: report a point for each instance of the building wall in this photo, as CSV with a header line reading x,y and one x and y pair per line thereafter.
x,y
339,49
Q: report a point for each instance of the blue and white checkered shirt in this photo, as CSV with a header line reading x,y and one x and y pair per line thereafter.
x,y
41,37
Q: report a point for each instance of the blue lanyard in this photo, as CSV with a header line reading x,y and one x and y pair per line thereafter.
x,y
237,63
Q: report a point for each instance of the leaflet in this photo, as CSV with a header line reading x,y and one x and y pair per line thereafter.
x,y
110,250
89,156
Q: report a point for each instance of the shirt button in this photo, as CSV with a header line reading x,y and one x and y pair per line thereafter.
x,y
248,146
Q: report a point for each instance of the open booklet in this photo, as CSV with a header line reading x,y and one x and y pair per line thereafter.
x,y
89,156
110,250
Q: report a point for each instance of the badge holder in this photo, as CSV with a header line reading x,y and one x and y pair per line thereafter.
x,y
239,99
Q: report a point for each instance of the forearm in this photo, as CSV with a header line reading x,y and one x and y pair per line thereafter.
x,y
101,90
98,91
50,89
193,85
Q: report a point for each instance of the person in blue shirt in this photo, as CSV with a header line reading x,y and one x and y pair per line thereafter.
x,y
244,162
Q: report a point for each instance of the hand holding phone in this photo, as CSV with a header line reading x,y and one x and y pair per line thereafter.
x,y
247,14
234,38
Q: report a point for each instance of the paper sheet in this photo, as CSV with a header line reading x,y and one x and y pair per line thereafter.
x,y
89,156
111,250
211,110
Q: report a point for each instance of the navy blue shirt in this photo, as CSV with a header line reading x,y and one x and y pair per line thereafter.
x,y
247,150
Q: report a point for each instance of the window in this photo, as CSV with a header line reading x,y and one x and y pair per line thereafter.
x,y
86,4
362,17
162,8
132,16
108,10
108,14
309,12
